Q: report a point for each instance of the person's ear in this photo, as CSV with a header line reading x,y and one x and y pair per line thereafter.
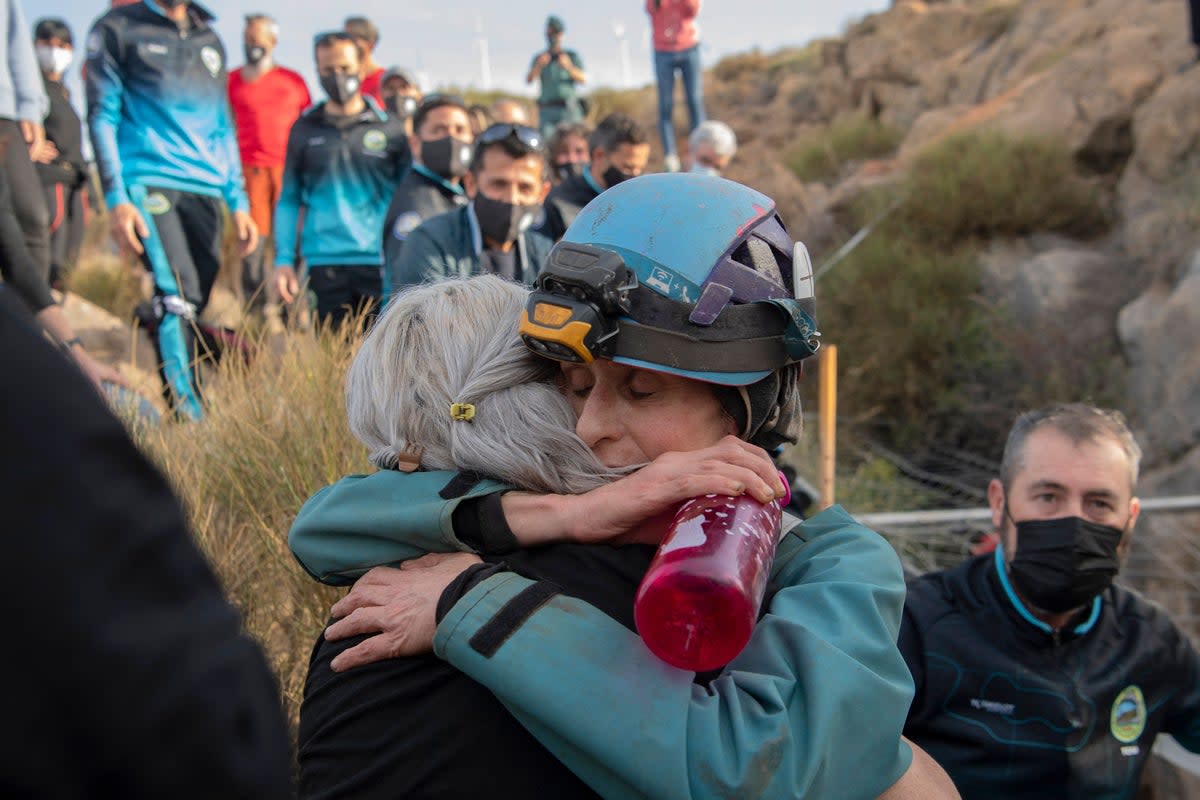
x,y
1135,508
470,184
414,145
545,191
995,493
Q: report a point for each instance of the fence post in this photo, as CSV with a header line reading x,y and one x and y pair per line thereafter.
x,y
828,416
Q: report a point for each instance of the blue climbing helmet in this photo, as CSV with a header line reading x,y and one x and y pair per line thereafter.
x,y
685,274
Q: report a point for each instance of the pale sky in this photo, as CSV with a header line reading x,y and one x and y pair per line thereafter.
x,y
441,39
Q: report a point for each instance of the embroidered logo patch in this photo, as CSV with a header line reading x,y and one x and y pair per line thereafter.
x,y
375,141
157,204
1128,718
211,59
405,224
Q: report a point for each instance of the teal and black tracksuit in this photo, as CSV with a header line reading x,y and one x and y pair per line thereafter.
x,y
1012,708
813,707
164,140
342,170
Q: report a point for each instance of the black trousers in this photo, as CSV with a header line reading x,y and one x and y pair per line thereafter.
x,y
17,268
68,223
27,199
342,290
183,253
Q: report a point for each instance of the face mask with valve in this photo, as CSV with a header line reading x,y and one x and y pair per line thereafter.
x,y
341,87
501,221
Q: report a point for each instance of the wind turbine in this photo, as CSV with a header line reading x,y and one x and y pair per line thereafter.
x,y
618,29
485,63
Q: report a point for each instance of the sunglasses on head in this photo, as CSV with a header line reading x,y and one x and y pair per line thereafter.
x,y
527,136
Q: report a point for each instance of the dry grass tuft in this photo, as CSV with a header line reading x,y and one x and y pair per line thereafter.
x,y
275,432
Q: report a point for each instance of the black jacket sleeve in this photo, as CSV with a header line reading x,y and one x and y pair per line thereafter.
x,y
126,673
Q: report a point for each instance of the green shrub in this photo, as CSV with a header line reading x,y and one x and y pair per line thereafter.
x,y
981,185
637,103
915,342
821,156
738,65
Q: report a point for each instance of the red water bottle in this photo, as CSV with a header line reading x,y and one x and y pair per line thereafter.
x,y
699,600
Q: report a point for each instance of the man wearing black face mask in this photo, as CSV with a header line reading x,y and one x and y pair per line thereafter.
x,y
441,147
507,183
344,159
401,95
619,151
266,100
1036,677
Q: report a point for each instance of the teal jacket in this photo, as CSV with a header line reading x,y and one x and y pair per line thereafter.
x,y
449,246
812,708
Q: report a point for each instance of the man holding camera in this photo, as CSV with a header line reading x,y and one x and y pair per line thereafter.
x,y
559,71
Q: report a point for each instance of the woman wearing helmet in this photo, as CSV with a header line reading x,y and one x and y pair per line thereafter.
x,y
680,311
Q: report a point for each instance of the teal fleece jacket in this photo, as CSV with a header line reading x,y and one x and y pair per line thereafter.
x,y
813,707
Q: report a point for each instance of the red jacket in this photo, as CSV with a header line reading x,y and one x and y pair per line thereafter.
x,y
674,23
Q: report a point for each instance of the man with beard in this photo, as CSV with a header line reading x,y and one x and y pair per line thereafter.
x,y
266,100
507,183
441,149
344,159
619,151
1036,677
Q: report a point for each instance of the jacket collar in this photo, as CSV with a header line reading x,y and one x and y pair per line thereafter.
x,y
1015,604
431,176
201,13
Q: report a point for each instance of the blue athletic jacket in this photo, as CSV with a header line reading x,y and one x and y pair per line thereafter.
x,y
812,708
342,171
157,107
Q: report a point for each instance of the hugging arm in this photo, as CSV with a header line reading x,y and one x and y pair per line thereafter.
x,y
813,697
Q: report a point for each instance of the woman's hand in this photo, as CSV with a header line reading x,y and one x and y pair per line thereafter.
x,y
624,511
399,606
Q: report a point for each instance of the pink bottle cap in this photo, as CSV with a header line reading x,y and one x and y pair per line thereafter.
x,y
787,491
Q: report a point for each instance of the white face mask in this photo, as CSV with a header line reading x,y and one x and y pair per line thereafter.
x,y
54,60
704,169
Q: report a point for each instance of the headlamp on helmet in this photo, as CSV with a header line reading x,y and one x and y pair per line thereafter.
x,y
572,313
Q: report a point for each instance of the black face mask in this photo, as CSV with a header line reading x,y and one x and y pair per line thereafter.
x,y
448,157
1061,564
254,53
571,170
501,221
401,106
612,176
340,86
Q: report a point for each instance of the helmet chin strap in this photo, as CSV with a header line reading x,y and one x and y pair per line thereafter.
x,y
754,408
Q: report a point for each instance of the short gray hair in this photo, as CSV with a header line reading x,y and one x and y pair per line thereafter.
x,y
456,341
1080,423
265,19
718,134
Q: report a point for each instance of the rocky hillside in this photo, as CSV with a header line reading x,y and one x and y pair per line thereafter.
x,y
1111,79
